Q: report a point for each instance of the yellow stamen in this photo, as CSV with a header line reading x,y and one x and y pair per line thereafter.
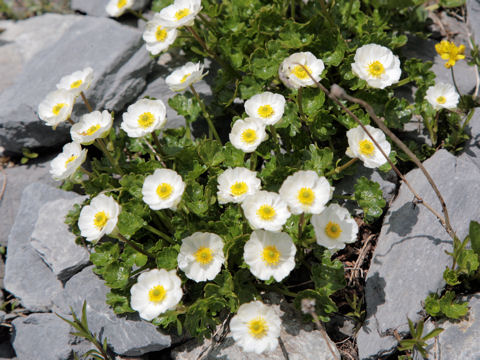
x,y
270,255
333,230
180,14
185,77
239,188
76,84
146,120
164,191
441,100
376,69
121,3
91,130
265,111
203,255
366,147
258,327
249,136
100,219
70,159
306,196
157,294
56,109
300,72
160,34
266,212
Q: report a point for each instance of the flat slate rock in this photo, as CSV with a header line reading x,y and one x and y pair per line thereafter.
x,y
472,148
129,336
54,242
41,336
26,274
120,63
301,342
409,260
473,16
18,178
97,7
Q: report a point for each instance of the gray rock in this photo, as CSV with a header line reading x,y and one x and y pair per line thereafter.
x,y
128,335
21,40
26,275
472,148
97,7
18,178
6,350
120,64
409,260
473,16
41,336
55,243
301,342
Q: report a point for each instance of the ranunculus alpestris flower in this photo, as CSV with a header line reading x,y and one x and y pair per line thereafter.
x,y
144,117
68,161
158,37
234,185
99,218
180,13
247,134
77,82
265,210
91,126
449,51
442,96
183,77
56,107
267,106
116,8
163,189
361,146
377,65
295,76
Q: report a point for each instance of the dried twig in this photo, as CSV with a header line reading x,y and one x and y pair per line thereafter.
x,y
4,184
361,257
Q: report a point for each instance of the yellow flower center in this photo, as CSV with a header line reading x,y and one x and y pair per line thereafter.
x,y
91,130
146,120
160,34
70,159
266,212
249,136
366,147
56,109
300,72
121,3
203,255
441,99
449,51
239,188
76,84
185,77
376,69
333,230
164,191
100,219
258,327
180,14
306,196
270,255
265,111
157,294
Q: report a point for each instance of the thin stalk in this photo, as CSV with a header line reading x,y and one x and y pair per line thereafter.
x,y
165,220
454,81
292,9
300,105
135,246
435,128
85,171
138,15
403,82
301,225
87,104
159,233
339,169
207,23
275,137
326,13
253,161
206,114
103,147
159,148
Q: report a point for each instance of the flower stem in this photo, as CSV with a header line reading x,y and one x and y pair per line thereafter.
x,y
87,104
135,246
301,224
165,220
403,82
454,82
275,137
86,172
138,15
206,114
159,148
253,161
292,9
103,147
341,168
300,106
159,233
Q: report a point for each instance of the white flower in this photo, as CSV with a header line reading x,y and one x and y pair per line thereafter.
x,y
306,192
442,95
256,327
116,8
234,185
266,106
91,126
294,76
99,218
158,37
265,210
163,189
362,147
68,161
247,134
156,292
270,254
183,77
56,107
77,82
334,227
201,256
376,65
144,117
180,13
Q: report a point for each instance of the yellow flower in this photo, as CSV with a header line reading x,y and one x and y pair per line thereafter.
x,y
449,51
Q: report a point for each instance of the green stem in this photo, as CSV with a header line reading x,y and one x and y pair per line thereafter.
x,y
86,172
135,246
165,220
87,104
275,137
402,82
301,224
159,233
300,106
292,9
327,14
138,15
341,168
206,114
253,161
207,23
103,147
159,147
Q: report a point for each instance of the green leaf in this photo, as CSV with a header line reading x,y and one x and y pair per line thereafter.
x,y
195,200
262,65
210,151
468,262
474,233
432,334
370,198
105,254
186,105
167,258
450,277
118,302
129,223
133,183
312,100
116,275
451,308
233,157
